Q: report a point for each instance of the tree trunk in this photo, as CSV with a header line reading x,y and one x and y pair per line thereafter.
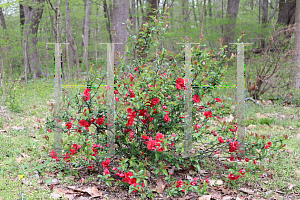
x,y
33,14
264,20
22,17
185,15
3,23
119,17
286,14
86,32
71,39
209,9
274,10
229,29
297,45
219,17
106,14
133,13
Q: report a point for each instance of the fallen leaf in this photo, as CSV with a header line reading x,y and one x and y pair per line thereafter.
x,y
205,197
246,190
160,186
93,191
291,186
184,198
189,177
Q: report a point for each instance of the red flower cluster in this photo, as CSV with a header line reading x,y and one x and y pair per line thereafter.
x,y
87,94
232,177
196,98
233,146
53,155
180,83
207,114
152,144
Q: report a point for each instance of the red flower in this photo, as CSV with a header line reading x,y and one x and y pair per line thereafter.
x,y
207,114
67,157
179,183
130,122
233,146
254,161
266,146
132,95
217,100
154,101
231,158
242,171
159,136
151,145
269,144
232,177
196,98
143,112
221,139
247,159
69,125
86,94
100,121
131,135
116,92
128,179
180,83
105,163
53,155
106,171
166,118
91,167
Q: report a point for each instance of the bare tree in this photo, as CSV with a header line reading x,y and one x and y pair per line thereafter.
x,y
232,12
264,19
86,32
185,14
71,40
297,44
33,12
3,23
119,18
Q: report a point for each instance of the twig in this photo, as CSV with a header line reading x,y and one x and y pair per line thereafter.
x,y
252,100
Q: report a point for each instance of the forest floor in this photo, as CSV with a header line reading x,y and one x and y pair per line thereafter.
x,y
22,153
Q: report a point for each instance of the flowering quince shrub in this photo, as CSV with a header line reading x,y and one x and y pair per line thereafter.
x,y
149,122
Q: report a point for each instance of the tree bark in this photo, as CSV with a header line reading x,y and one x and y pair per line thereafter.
x,y
133,13
86,32
201,26
209,9
274,10
22,17
185,15
119,17
71,40
229,29
286,14
264,20
297,45
33,13
106,14
3,23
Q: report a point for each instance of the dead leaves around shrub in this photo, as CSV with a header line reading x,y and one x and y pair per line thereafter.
x,y
73,192
161,184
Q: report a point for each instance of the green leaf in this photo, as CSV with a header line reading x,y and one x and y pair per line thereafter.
x,y
165,172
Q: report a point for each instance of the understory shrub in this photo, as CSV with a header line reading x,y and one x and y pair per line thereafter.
x,y
149,122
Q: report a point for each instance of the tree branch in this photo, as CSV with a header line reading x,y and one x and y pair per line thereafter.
x,y
274,10
51,5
